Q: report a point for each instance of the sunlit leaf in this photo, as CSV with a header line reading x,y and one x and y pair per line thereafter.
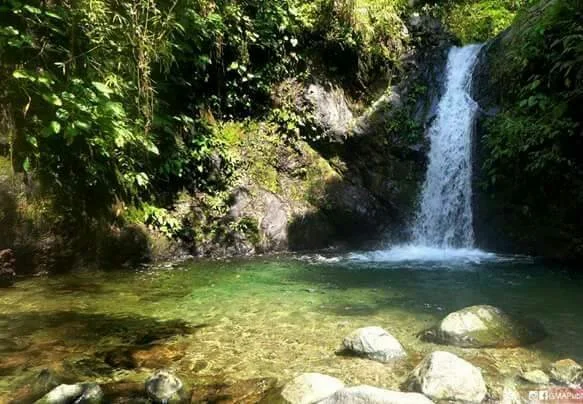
x,y
55,127
53,99
102,88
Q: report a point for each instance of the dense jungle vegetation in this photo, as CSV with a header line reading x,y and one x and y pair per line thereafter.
x,y
533,166
110,109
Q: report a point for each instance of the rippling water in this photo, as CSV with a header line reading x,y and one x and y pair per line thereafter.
x,y
276,316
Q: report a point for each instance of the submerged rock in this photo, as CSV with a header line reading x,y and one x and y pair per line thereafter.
x,y
7,265
484,326
241,392
567,372
165,387
36,387
125,393
81,393
374,395
310,388
535,377
444,376
374,343
510,394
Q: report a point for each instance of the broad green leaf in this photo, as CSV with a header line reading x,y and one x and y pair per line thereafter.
x,y
152,148
32,141
142,179
32,10
102,88
53,99
26,165
21,74
55,127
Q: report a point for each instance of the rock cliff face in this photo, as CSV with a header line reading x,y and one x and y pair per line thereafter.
x,y
353,181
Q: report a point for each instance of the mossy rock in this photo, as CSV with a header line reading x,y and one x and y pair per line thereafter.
x,y
484,326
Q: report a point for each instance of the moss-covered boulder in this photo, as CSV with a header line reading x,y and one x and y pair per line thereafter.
x,y
484,326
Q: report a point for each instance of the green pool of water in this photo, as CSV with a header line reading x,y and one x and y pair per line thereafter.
x,y
273,317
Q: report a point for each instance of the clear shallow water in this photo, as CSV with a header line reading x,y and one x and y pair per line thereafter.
x,y
275,317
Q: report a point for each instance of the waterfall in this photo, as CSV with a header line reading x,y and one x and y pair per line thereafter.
x,y
444,219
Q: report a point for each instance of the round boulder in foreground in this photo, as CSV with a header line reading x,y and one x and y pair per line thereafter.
x,y
443,376
310,388
374,395
484,326
374,343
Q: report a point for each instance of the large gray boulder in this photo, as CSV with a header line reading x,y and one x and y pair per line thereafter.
x,y
374,343
310,388
165,387
444,376
81,393
374,395
330,110
484,326
567,372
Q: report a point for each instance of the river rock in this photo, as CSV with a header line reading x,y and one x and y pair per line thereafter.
x,y
567,372
309,388
444,376
81,393
535,377
484,326
7,265
165,387
374,395
374,343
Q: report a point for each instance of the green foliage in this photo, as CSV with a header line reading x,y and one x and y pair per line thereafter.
x,y
116,102
534,160
160,219
475,21
361,41
478,21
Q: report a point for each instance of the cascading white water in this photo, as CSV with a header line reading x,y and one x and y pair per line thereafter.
x,y
444,219
443,230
